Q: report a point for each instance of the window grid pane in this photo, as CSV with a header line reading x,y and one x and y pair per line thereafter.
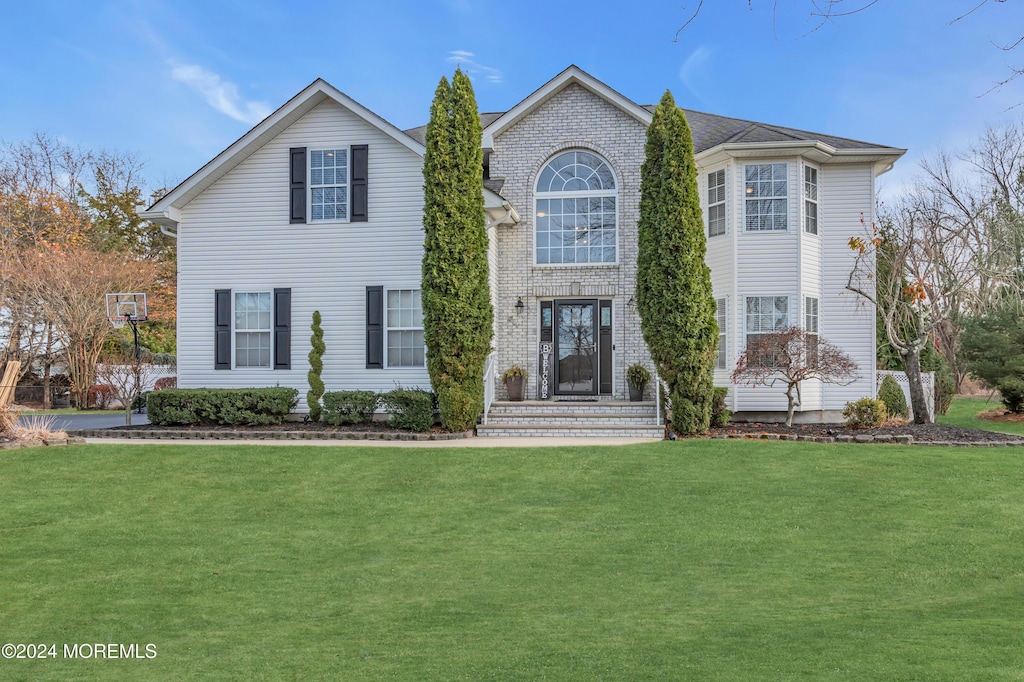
x,y
810,200
328,178
405,328
253,321
811,315
722,318
580,227
767,197
716,203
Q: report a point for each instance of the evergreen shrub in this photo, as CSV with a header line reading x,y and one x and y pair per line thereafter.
x,y
221,406
891,394
410,408
349,407
864,413
719,412
316,366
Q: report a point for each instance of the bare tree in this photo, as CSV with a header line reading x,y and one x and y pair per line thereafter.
x,y
791,356
823,12
69,286
128,375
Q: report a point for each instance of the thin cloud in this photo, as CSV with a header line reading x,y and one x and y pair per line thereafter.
x,y
695,70
472,67
219,94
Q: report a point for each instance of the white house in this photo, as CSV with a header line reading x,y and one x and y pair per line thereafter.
x,y
319,207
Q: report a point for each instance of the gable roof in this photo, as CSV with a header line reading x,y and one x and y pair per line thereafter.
x,y
165,210
572,75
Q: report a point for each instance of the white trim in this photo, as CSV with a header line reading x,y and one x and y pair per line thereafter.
x,y
572,75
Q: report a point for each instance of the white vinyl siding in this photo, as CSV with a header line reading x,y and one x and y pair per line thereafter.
x,y
404,328
766,186
236,235
716,203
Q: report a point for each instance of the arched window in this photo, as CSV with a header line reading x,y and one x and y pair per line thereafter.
x,y
576,212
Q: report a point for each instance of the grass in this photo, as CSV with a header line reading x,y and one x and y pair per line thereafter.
x,y
963,412
703,560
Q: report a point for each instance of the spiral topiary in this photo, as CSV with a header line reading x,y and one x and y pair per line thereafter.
x,y
316,366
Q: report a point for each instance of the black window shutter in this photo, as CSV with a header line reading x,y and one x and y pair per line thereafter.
x,y
374,327
222,329
360,164
282,328
297,175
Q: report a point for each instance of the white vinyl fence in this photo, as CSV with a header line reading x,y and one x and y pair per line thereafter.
x,y
927,381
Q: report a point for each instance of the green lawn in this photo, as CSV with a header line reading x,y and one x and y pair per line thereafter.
x,y
689,560
963,412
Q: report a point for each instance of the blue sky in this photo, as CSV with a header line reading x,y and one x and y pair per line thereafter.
x,y
176,81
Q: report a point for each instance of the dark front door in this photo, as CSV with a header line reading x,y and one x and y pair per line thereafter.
x,y
576,348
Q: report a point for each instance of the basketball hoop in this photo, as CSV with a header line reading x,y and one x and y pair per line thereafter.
x,y
130,309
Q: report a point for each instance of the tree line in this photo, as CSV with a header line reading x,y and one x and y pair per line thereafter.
x,y
69,234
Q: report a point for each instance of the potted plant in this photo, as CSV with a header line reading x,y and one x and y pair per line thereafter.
x,y
515,382
637,377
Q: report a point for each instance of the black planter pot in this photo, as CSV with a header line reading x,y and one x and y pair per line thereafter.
x,y
516,387
636,393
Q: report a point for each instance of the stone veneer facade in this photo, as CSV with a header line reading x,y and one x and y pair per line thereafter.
x,y
573,118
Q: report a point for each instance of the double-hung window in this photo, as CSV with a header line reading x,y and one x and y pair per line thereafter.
x,y
811,326
716,203
810,200
722,317
405,328
328,182
766,314
767,194
253,329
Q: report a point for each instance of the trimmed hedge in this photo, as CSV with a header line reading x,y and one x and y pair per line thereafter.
x,y
410,408
221,406
349,407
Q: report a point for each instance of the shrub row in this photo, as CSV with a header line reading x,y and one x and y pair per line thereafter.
x,y
411,408
220,406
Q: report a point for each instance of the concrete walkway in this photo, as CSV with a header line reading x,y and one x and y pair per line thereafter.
x,y
539,442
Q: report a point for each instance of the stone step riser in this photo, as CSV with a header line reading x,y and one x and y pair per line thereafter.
x,y
565,419
578,432
575,409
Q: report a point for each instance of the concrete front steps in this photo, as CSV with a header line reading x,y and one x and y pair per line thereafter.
x,y
564,418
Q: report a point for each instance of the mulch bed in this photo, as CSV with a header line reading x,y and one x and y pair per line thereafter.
x,y
929,433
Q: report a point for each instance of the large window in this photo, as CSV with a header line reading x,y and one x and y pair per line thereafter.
x,y
767,195
722,317
328,181
253,327
810,200
766,314
405,328
716,203
576,210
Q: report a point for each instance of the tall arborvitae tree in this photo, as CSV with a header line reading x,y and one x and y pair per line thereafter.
x,y
457,313
673,283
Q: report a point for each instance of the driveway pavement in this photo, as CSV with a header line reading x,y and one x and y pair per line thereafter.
x,y
98,420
